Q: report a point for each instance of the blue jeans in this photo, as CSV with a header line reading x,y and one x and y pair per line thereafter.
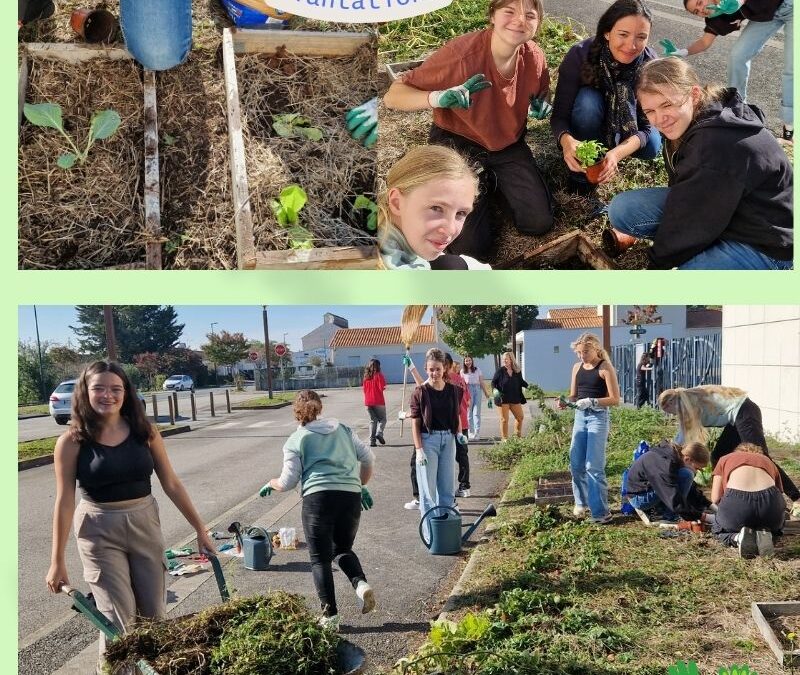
x,y
474,411
586,123
639,213
437,480
587,460
157,33
650,499
750,43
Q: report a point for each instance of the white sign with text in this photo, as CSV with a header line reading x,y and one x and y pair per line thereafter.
x,y
358,11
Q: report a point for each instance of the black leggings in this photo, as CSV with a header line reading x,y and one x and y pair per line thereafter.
x,y
462,458
761,510
748,428
330,523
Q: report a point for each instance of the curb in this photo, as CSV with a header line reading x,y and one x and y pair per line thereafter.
x,y
261,407
48,459
32,416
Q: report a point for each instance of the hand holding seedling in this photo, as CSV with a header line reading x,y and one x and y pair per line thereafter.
x,y
103,125
362,122
670,49
366,499
724,7
539,108
564,403
586,403
265,491
459,96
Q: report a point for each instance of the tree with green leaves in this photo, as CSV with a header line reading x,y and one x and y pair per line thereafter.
x,y
31,386
138,328
479,330
66,361
226,348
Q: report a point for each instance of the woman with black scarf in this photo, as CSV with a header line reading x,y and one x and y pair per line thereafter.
x,y
595,97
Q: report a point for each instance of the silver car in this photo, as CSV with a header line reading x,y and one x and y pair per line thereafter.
x,y
61,401
179,383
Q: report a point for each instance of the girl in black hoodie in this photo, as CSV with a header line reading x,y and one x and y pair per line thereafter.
x,y
729,201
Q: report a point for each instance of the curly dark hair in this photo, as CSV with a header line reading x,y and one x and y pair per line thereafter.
x,y
86,423
374,366
307,406
619,10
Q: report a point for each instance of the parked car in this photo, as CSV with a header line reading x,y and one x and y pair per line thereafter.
x,y
61,401
179,383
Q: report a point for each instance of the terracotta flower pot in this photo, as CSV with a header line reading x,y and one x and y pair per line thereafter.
x,y
593,172
94,25
615,243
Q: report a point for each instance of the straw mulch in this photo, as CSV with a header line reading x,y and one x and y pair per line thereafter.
x,y
90,216
332,171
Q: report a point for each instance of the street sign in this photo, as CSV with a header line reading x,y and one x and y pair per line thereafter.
x,y
637,331
254,356
280,350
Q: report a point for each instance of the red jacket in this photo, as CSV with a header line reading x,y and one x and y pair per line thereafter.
x,y
373,390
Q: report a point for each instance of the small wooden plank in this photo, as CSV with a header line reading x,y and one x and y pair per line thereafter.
x,y
75,53
396,69
328,258
555,251
22,87
552,499
152,185
593,255
243,217
556,477
761,611
301,42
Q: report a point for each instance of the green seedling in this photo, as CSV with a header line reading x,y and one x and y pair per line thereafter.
x,y
287,209
703,477
588,152
684,668
563,401
363,202
294,125
103,125
736,670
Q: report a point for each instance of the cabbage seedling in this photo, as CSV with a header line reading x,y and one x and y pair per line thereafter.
x,y
363,202
103,125
588,152
287,209
292,125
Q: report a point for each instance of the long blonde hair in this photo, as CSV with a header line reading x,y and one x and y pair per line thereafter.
x,y
514,365
689,405
591,340
419,166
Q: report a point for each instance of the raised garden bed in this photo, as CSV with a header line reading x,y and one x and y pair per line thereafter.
x,y
320,76
573,250
104,213
776,620
554,488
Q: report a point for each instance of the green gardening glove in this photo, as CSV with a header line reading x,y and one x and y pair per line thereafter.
x,y
491,404
724,7
497,396
539,108
362,122
670,49
366,499
408,363
265,491
459,96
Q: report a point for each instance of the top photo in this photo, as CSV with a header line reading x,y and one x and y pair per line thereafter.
x,y
483,135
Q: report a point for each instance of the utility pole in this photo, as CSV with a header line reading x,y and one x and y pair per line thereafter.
x,y
283,374
607,328
42,390
216,380
111,339
266,350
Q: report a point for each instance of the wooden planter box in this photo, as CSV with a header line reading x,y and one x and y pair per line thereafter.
x,y
573,245
554,488
74,53
762,613
396,69
301,43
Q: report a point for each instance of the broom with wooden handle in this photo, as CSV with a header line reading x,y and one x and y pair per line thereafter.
x,y
412,316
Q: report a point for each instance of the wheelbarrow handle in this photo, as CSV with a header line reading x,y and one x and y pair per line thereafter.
x,y
83,605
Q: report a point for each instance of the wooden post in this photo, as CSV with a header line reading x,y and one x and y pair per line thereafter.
x,y
152,207
171,410
194,406
155,409
175,403
211,398
228,400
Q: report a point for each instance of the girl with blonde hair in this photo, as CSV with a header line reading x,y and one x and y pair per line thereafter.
x,y
716,406
728,203
508,386
594,389
429,194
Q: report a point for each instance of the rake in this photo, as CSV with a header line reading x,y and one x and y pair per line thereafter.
x,y
412,316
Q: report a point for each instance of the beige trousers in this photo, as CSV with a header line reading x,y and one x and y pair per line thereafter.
x,y
517,411
122,550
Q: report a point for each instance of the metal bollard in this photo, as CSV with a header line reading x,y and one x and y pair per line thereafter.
x,y
175,403
228,400
194,406
171,410
211,398
155,409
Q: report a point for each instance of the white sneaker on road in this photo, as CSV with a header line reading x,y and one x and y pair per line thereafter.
x,y
413,505
366,597
462,493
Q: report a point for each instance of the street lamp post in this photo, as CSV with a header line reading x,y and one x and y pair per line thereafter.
x,y
266,350
42,389
283,374
216,376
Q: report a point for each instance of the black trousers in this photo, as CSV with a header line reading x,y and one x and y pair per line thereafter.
x,y
462,457
330,523
642,389
748,428
513,172
414,484
761,510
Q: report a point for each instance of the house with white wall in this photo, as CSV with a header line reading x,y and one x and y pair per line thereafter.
x,y
761,354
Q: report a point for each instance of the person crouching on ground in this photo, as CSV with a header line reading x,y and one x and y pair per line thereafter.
x,y
662,479
747,487
333,467
728,204
482,88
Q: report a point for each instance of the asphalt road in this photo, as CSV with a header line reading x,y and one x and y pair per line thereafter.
x,y
223,464
671,20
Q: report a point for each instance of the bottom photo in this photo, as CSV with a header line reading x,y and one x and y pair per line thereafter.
x,y
409,490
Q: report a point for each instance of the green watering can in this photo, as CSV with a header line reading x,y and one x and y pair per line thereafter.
x,y
445,529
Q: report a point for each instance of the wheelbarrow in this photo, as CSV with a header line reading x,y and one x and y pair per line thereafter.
x,y
351,657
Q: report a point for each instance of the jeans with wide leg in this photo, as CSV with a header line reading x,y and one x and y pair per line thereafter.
x,y
157,33
436,480
587,460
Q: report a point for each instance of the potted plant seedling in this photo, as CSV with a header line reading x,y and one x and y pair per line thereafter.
x,y
591,156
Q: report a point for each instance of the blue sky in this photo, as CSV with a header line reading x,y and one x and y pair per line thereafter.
x,y
295,321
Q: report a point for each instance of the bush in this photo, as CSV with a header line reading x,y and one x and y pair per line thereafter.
x,y
158,382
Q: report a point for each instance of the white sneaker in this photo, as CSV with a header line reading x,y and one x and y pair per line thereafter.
x,y
330,623
476,436
462,493
413,505
579,511
766,548
366,597
746,539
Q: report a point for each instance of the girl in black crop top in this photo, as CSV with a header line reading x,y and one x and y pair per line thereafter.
x,y
111,450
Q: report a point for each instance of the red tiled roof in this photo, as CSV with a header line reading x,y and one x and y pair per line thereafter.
x,y
374,337
703,318
573,313
570,322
